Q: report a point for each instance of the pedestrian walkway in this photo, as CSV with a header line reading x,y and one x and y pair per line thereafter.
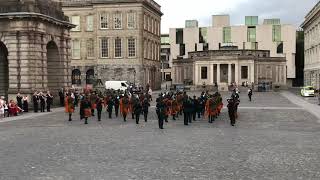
x,y
312,108
30,115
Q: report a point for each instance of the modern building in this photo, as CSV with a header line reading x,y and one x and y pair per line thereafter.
x,y
34,47
166,64
311,27
115,40
272,36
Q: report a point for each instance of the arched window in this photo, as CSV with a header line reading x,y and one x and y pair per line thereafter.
x,y
90,76
76,77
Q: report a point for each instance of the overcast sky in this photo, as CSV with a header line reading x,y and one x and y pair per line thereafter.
x,y
177,11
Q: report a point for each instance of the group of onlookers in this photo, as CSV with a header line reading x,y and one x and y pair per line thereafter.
x,y
13,108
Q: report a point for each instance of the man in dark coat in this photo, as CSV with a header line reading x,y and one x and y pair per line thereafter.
x,y
61,96
35,99
49,101
145,108
116,105
137,110
110,106
250,94
42,102
160,111
99,103
186,110
195,107
19,100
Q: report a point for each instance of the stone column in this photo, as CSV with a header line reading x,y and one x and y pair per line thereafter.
x,y
229,74
251,73
218,74
236,77
196,75
211,74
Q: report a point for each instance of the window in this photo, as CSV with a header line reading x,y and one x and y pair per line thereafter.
x,y
203,35
76,77
76,21
118,48
90,48
131,18
196,47
244,72
251,34
204,72
182,50
252,20
205,47
117,19
179,36
104,47
104,21
280,48
254,45
145,22
227,35
276,33
132,47
89,23
76,49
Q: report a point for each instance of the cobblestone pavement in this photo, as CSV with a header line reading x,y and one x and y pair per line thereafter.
x,y
267,143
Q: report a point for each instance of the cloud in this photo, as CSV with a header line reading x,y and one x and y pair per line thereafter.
x,y
177,11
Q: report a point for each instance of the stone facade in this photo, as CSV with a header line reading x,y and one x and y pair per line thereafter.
x,y
105,23
279,39
229,66
311,27
34,53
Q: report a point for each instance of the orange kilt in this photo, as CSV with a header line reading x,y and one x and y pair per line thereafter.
x,y
87,112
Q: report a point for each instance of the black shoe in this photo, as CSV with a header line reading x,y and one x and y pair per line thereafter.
x,y
70,119
161,128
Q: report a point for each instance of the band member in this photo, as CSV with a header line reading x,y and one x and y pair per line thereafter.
x,y
145,109
87,108
110,106
124,107
61,95
19,100
116,105
160,111
99,103
137,110
93,99
250,94
42,99
49,101
35,99
69,105
25,104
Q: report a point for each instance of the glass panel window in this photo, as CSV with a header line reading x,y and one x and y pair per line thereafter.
x,y
76,49
117,19
251,34
204,72
179,36
131,20
104,21
276,33
227,35
89,23
252,20
132,47
90,48
104,47
203,35
254,46
279,47
118,48
76,21
182,50
244,72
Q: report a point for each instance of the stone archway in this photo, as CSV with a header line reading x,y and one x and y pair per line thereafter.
x,y
4,70
90,76
76,77
54,67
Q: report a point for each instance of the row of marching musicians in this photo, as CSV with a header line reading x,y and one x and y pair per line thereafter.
x,y
175,104
91,102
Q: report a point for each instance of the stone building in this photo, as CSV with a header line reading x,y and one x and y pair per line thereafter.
x,y
279,39
229,65
34,47
165,58
115,40
311,27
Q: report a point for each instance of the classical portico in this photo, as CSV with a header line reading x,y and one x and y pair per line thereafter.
x,y
225,67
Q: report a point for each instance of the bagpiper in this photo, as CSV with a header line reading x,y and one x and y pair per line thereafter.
x,y
69,105
124,107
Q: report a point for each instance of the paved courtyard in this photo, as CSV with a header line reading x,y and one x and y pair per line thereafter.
x,y
274,139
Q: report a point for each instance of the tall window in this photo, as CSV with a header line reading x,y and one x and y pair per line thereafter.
x,y
76,21
244,72
251,34
145,23
276,33
179,36
90,23
204,72
104,47
104,21
131,18
132,47
117,20
252,20
118,48
76,77
90,48
182,50
203,35
227,35
76,49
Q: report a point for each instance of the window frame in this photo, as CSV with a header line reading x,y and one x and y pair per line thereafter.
x,y
87,23
202,73
90,47
106,16
115,48
78,25
73,49
131,14
114,20
107,48
135,47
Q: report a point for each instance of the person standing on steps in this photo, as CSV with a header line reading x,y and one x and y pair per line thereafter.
x,y
250,94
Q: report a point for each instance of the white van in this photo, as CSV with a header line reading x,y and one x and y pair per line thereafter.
x,y
117,85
